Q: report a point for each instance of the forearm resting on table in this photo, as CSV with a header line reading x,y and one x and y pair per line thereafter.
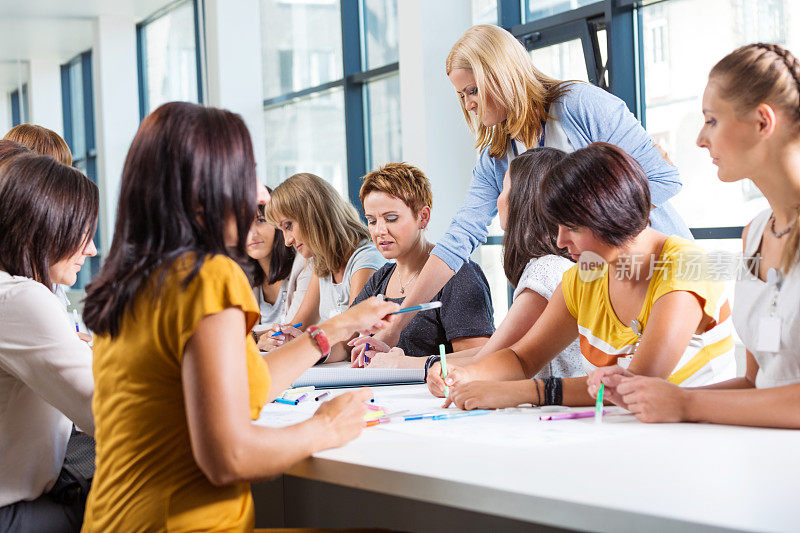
x,y
777,407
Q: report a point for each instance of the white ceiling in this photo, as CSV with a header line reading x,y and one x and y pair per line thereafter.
x,y
56,29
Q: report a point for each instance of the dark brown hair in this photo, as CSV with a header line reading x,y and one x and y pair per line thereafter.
x,y
188,171
48,212
601,188
764,73
42,141
280,259
9,149
528,235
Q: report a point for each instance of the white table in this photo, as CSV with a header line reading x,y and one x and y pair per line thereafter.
x,y
618,476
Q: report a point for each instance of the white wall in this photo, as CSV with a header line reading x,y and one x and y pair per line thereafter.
x,y
233,56
116,108
435,135
44,94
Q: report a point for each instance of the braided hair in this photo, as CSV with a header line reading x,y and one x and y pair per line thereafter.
x,y
765,73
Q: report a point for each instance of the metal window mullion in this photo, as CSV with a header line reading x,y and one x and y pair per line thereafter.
x,y
199,48
509,13
141,70
353,98
66,105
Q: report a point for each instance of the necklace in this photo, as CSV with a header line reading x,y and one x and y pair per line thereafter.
x,y
781,233
409,280
403,286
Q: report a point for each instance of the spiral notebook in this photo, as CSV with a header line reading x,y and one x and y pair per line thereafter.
x,y
342,375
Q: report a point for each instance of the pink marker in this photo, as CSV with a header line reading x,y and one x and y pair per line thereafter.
x,y
569,416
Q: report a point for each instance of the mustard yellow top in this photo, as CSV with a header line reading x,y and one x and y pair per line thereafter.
x,y
147,478
681,266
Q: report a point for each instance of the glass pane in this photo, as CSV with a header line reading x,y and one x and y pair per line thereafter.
x,y
171,57
380,33
301,44
307,135
76,111
675,78
563,61
602,42
383,121
484,11
537,9
490,258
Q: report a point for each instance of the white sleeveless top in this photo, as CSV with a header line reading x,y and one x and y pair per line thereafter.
x,y
542,276
753,300
554,137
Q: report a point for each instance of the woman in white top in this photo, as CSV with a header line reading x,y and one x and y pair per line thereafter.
x,y
533,264
279,279
326,230
752,118
48,215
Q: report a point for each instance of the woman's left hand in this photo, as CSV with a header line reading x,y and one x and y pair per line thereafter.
x,y
488,395
359,351
654,399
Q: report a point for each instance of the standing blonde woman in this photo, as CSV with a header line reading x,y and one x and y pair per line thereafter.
x,y
325,229
510,106
752,119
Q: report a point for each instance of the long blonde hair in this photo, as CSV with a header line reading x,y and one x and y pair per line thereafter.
x,y
764,73
330,226
505,72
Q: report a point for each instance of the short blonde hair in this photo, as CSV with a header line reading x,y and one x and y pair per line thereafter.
x,y
330,225
401,180
505,72
42,141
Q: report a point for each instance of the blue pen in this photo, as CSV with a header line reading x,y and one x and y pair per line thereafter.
x,y
420,307
366,359
285,401
461,414
75,318
419,417
298,325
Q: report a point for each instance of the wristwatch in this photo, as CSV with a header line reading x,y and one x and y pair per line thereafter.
x,y
322,342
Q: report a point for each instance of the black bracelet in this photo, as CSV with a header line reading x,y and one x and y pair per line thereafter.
x,y
558,391
429,362
553,391
538,394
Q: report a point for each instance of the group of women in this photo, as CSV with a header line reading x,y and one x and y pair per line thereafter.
x,y
208,270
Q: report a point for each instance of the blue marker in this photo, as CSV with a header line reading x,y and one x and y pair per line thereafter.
x,y
298,325
285,401
420,307
461,414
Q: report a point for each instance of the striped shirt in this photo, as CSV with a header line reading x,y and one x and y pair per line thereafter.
x,y
681,266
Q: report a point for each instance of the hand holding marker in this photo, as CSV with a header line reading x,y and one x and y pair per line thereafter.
x,y
298,325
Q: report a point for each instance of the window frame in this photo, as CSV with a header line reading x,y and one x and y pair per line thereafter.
x,y
141,51
353,82
89,157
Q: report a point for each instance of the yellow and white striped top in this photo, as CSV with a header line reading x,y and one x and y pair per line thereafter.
x,y
682,266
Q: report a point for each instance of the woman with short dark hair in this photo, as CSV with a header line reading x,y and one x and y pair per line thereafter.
x,y
637,297
48,215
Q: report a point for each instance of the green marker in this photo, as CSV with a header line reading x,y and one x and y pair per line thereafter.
x,y
598,405
444,369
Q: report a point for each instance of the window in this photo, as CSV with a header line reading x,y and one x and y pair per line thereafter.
x,y
537,9
331,88
19,106
382,95
168,58
484,11
78,105
673,90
